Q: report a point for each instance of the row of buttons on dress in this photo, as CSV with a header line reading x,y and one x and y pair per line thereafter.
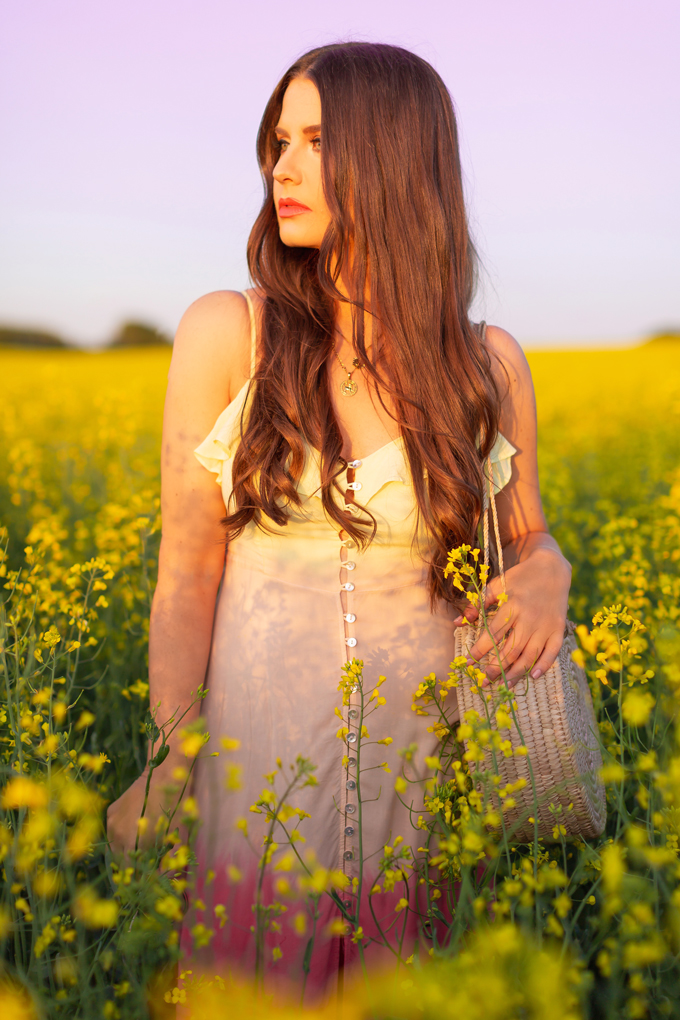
x,y
349,619
351,507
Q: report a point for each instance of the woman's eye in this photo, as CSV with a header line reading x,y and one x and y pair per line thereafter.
x,y
281,144
316,144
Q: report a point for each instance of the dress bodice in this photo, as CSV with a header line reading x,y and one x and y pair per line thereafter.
x,y
302,546
305,550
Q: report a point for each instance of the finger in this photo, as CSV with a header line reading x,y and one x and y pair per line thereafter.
x,y
471,612
468,615
493,590
509,650
494,632
535,660
547,656
525,662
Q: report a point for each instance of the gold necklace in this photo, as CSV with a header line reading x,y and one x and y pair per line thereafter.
x,y
348,387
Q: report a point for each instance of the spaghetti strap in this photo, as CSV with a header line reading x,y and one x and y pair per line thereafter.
x,y
253,333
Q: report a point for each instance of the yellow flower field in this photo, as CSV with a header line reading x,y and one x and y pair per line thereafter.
x,y
568,930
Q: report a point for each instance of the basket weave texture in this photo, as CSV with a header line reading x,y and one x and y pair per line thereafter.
x,y
556,723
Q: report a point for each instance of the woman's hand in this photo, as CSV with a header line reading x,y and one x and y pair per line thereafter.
x,y
122,817
528,629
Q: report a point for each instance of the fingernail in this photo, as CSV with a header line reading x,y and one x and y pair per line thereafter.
x,y
457,622
537,673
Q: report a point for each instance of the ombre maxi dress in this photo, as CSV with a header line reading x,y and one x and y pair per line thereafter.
x,y
297,602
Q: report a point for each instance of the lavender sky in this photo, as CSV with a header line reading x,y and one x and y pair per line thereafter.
x,y
128,179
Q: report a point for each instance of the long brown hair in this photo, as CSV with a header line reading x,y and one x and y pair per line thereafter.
x,y
392,181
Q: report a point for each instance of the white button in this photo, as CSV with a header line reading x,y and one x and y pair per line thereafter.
x,y
351,738
353,713
350,809
349,565
353,509
354,486
351,642
355,463
348,586
349,618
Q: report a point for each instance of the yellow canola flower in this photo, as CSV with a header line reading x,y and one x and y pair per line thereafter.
x,y
24,792
637,955
49,745
612,772
59,711
15,1001
47,883
190,808
192,743
177,859
94,762
92,911
76,799
170,907
80,841
201,935
637,707
86,719
613,868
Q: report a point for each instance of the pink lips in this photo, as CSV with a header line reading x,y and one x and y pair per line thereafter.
x,y
289,207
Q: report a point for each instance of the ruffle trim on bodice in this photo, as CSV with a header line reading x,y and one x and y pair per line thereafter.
x,y
387,464
501,456
217,451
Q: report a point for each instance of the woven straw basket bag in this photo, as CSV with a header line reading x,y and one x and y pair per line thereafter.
x,y
555,722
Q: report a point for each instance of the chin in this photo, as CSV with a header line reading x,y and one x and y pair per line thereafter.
x,y
294,236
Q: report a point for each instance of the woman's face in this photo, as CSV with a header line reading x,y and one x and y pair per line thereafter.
x,y
298,193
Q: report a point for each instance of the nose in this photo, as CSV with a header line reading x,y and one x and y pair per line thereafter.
x,y
286,170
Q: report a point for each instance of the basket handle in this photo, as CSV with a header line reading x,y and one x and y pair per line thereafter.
x,y
489,497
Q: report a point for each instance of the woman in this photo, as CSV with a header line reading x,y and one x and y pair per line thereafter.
x,y
349,406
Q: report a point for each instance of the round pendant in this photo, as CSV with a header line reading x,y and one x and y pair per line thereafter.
x,y
348,388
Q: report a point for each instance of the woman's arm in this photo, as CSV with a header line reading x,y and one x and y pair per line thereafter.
x,y
530,625
210,363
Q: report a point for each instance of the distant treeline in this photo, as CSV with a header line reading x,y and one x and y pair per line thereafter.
x,y
668,333
141,334
130,334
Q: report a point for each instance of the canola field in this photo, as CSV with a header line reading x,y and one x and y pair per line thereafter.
x,y
563,930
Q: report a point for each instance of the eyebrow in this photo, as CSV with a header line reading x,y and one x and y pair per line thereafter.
x,y
313,129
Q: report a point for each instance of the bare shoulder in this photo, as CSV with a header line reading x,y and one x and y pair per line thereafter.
x,y
213,342
510,357
516,388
